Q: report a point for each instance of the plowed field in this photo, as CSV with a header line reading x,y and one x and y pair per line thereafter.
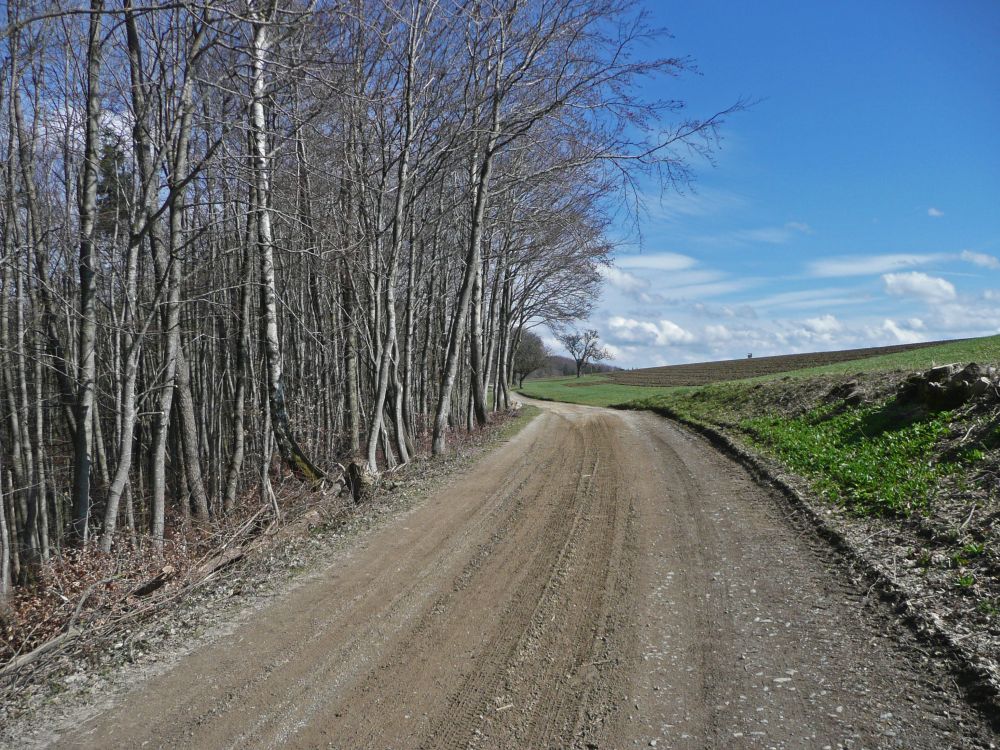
x,y
701,373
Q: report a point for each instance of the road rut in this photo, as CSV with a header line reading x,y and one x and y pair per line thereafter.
x,y
605,579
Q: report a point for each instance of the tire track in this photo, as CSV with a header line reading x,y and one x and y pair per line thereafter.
x,y
591,584
314,695
457,727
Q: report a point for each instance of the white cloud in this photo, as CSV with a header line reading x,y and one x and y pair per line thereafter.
x,y
811,298
703,310
614,351
683,291
980,259
671,333
902,334
661,333
919,285
656,261
672,205
623,280
770,235
718,333
869,265
766,235
965,318
823,325
935,213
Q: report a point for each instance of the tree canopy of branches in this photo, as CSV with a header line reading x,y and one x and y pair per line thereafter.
x,y
584,347
319,230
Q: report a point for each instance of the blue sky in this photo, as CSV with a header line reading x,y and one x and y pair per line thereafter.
x,y
857,203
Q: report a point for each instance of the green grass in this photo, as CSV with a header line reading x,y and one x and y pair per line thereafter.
x,y
876,460
589,390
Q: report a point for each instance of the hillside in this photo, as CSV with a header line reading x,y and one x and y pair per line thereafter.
x,y
700,373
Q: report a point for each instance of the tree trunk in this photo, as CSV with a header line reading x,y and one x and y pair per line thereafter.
x,y
189,440
478,373
352,408
87,363
472,263
242,365
132,349
291,453
4,542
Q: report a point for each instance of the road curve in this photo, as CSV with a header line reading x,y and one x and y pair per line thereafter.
x,y
603,580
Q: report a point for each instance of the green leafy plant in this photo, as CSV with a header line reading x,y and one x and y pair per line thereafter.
x,y
973,549
965,554
989,607
873,461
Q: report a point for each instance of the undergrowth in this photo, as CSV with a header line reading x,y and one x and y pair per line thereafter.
x,y
873,461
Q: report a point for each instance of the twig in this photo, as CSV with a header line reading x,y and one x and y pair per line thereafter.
x,y
877,533
967,520
83,599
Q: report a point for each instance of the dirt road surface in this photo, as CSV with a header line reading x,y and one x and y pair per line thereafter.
x,y
603,580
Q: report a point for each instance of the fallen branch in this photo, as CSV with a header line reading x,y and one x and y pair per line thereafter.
x,y
221,560
148,587
51,645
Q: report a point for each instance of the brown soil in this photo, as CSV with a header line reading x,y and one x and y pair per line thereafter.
x,y
604,579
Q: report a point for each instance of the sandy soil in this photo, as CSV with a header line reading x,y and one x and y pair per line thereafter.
x,y
605,579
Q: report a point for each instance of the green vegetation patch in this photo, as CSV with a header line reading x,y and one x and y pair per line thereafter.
x,y
873,460
589,390
518,423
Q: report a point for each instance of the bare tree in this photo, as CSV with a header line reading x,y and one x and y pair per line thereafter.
x,y
263,17
330,225
584,347
86,356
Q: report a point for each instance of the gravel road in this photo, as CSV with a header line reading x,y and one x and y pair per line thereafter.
x,y
603,580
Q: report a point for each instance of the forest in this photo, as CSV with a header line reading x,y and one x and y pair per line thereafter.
x,y
244,239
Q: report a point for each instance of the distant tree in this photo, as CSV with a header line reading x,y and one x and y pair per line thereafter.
x,y
583,347
531,354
